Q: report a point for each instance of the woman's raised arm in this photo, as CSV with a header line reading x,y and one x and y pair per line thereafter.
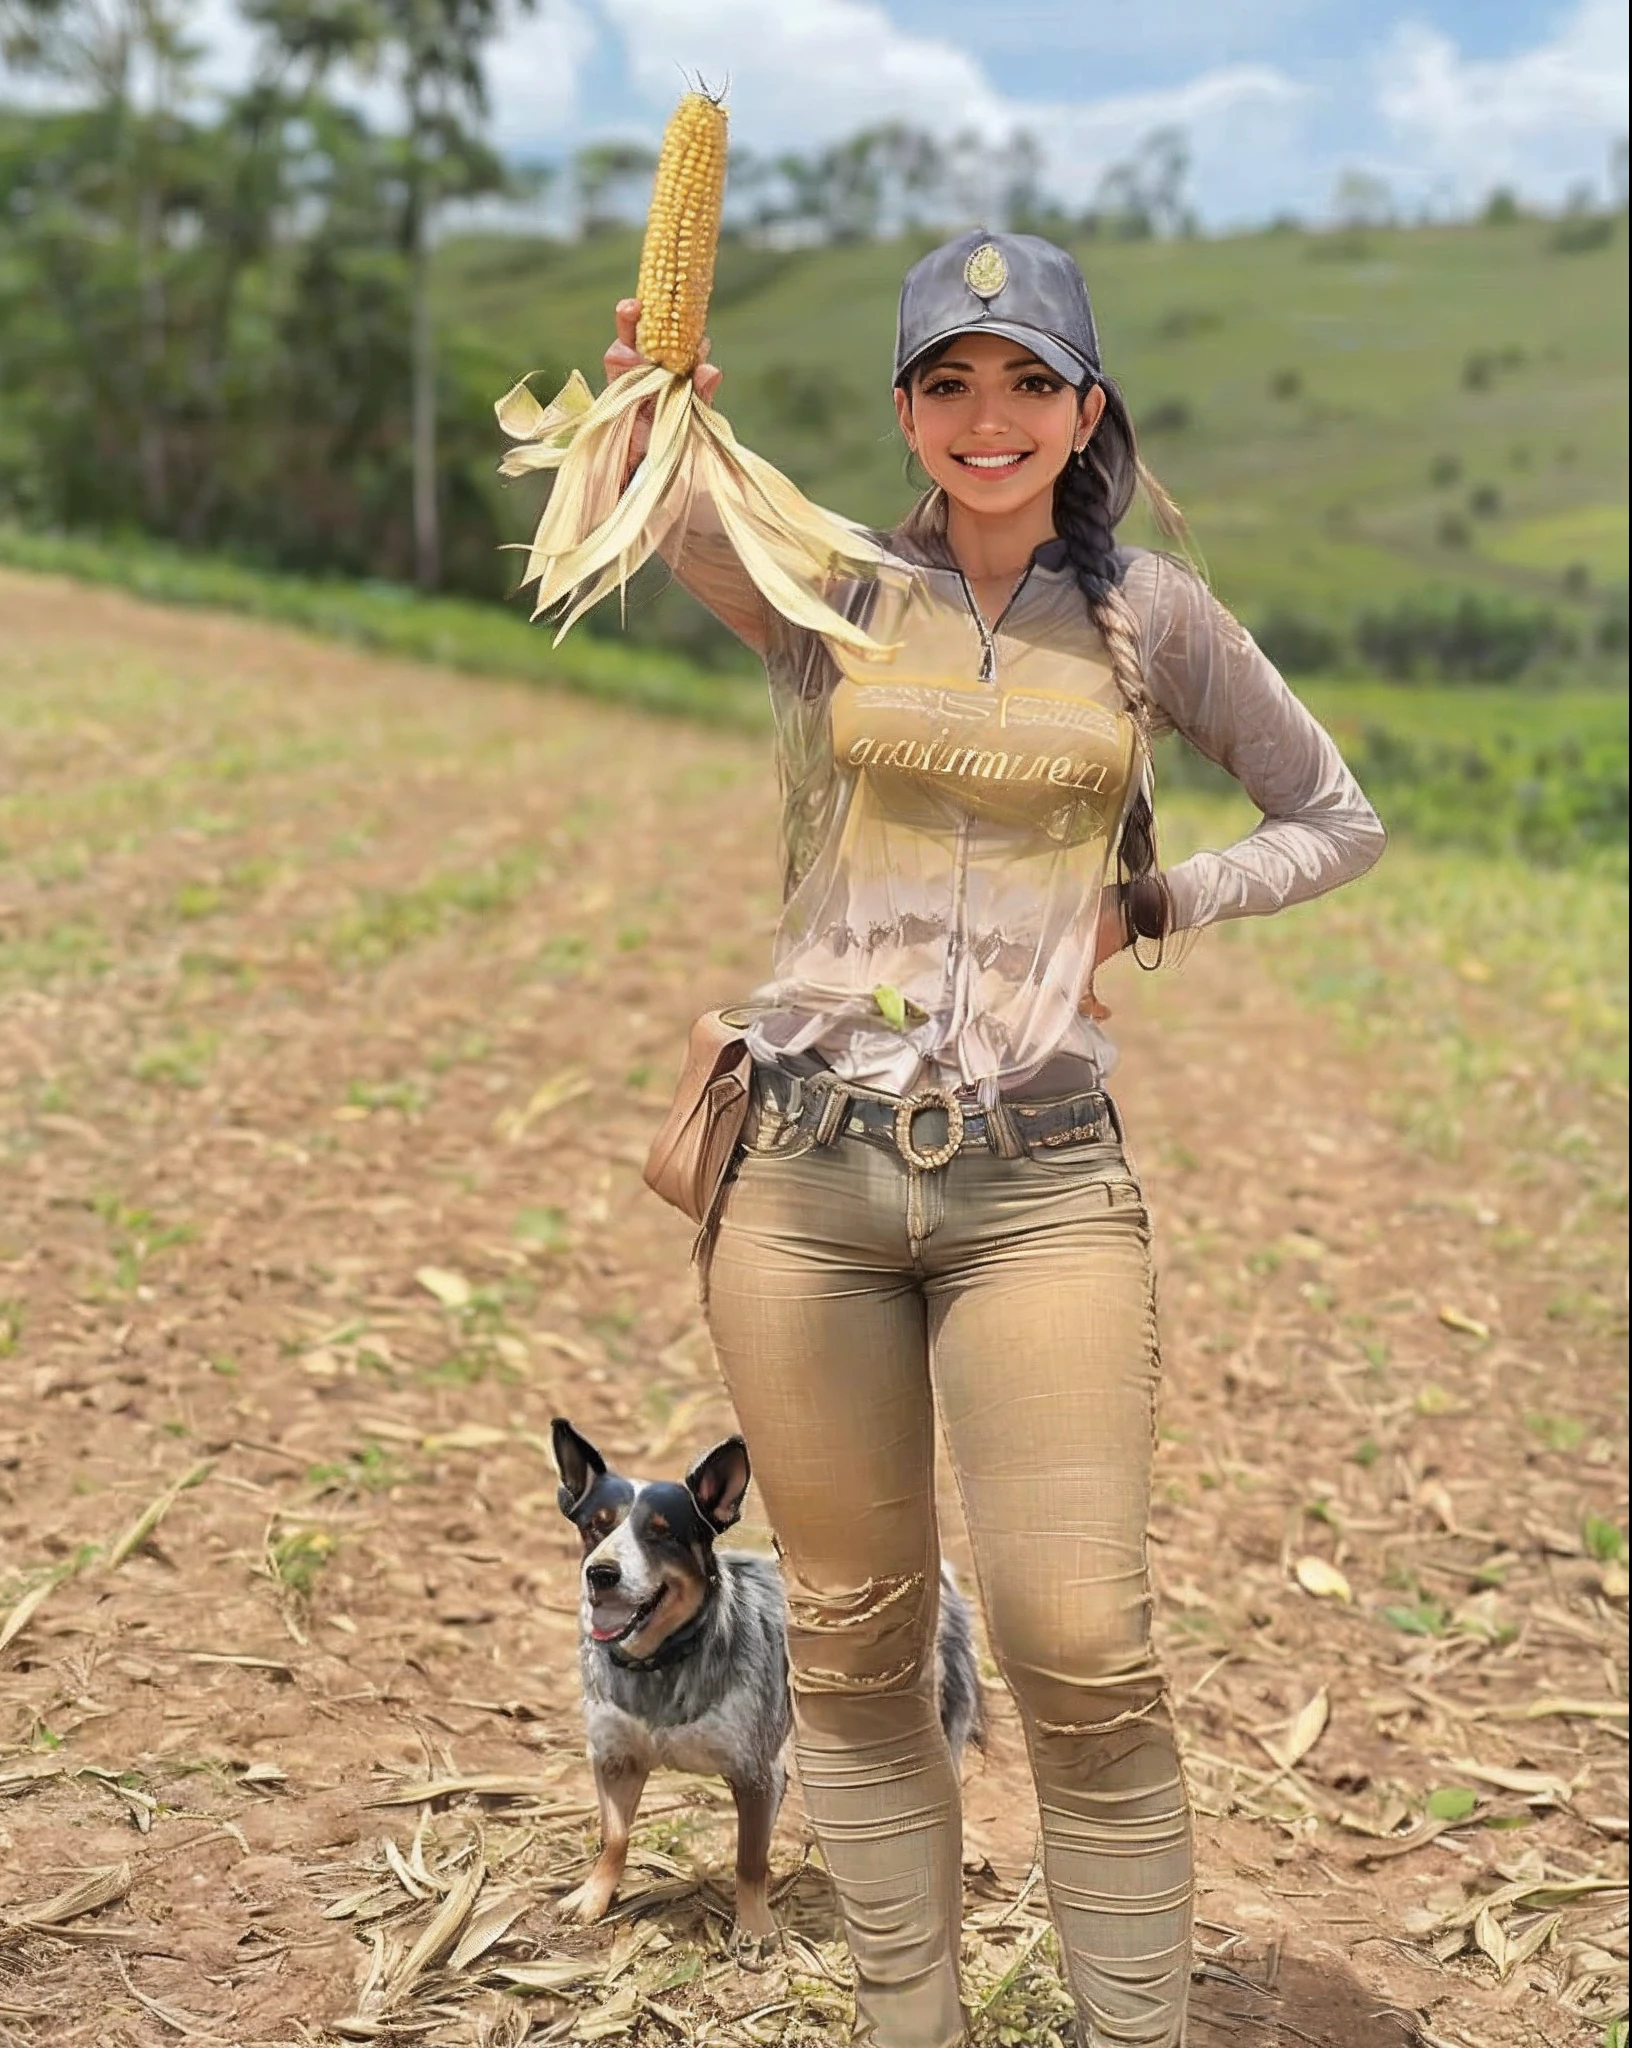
x,y
695,547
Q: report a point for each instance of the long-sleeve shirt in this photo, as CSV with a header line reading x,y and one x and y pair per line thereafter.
x,y
950,816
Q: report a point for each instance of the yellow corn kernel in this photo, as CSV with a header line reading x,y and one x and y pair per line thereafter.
x,y
682,233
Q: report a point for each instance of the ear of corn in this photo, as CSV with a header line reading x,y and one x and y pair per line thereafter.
x,y
601,522
682,234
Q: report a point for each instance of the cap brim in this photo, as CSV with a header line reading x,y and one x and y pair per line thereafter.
x,y
1047,348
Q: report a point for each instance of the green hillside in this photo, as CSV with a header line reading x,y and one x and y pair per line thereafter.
x,y
1346,418
1540,774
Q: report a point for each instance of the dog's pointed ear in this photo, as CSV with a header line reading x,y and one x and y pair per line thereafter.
x,y
578,1462
718,1481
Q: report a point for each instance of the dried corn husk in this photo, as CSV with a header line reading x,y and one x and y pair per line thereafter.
x,y
602,523
595,534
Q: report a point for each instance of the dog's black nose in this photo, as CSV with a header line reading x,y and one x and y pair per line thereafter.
x,y
603,1578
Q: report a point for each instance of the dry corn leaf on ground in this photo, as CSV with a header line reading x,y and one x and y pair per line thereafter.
x,y
304,959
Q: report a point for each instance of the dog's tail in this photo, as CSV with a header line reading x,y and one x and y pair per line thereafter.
x,y
957,1673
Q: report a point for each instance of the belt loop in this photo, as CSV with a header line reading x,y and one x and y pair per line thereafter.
x,y
835,1109
1001,1133
1115,1116
781,1096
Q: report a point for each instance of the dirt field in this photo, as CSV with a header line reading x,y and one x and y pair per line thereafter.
x,y
337,1001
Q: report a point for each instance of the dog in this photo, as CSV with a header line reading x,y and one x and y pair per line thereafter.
x,y
684,1657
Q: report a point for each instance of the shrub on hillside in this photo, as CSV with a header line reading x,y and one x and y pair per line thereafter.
x,y
1184,321
804,399
1299,643
1555,804
1462,636
1582,233
1481,365
1167,416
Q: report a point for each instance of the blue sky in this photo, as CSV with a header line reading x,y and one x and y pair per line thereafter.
x,y
1160,43
1443,98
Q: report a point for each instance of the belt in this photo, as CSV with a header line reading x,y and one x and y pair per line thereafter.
x,y
928,1128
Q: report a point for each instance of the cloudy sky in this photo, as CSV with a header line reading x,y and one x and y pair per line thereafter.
x,y
1443,98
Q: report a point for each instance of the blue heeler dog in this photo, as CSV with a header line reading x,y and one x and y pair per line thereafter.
x,y
683,1650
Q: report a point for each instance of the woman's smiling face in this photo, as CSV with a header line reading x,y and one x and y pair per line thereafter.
x,y
992,425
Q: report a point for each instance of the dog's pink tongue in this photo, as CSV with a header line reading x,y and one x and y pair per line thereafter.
x,y
607,1635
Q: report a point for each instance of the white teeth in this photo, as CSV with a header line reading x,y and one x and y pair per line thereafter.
x,y
992,461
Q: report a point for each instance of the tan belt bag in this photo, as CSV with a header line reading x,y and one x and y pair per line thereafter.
x,y
692,1150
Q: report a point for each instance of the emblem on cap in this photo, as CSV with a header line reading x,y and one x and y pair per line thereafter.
x,y
986,273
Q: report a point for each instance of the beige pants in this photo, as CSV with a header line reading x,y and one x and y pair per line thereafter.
x,y
847,1293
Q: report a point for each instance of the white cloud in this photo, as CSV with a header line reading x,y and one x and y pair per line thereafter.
x,y
808,72
1436,123
1216,112
535,75
805,71
1043,32
228,43
1264,137
1542,119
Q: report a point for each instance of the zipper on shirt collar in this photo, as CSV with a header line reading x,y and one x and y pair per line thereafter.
x,y
988,634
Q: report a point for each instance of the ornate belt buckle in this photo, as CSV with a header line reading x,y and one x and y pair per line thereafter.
x,y
909,1107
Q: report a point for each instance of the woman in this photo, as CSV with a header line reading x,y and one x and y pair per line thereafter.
x,y
934,1202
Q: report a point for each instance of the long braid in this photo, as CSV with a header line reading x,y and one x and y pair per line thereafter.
x,y
1119,629
1085,512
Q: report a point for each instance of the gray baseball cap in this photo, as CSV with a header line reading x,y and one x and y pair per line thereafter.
x,y
1018,286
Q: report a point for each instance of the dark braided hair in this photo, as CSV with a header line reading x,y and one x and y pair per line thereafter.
x,y
1094,491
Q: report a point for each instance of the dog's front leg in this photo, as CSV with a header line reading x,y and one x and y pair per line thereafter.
x,y
618,1787
757,1806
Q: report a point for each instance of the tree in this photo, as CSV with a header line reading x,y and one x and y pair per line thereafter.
x,y
911,169
130,62
1019,165
1145,195
1362,200
611,177
852,189
875,182
430,52
206,319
